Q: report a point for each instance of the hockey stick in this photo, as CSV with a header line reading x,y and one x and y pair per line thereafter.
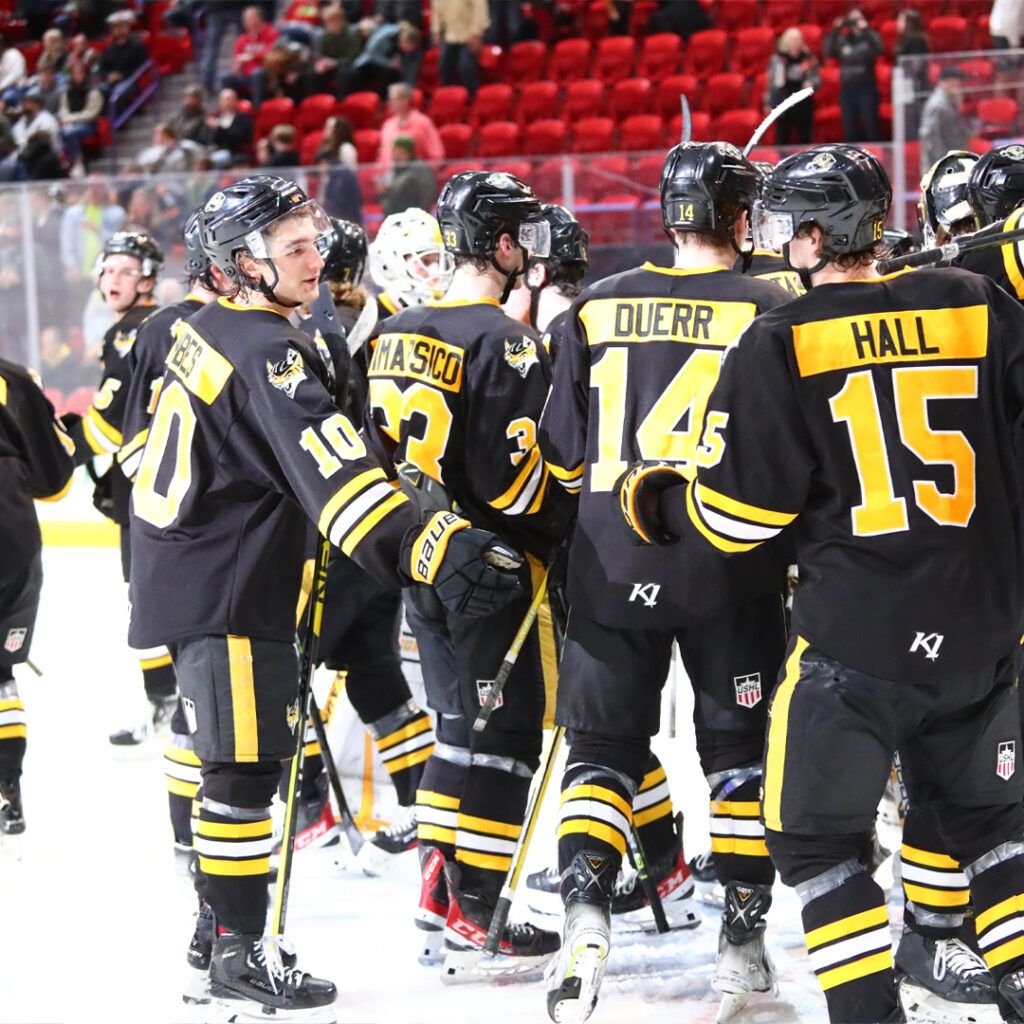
x,y
345,819
511,656
540,785
687,132
774,114
314,616
958,246
649,886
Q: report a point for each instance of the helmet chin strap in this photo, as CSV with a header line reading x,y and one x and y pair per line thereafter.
x,y
267,290
747,255
805,273
510,275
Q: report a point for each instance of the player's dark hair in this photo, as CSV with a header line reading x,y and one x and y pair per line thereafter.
x,y
720,237
479,263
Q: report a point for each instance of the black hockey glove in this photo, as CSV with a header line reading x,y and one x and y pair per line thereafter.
x,y
103,492
641,490
471,571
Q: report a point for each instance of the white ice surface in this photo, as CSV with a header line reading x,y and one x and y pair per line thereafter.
x,y
94,922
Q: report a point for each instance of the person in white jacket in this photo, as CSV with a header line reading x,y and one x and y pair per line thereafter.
x,y
12,72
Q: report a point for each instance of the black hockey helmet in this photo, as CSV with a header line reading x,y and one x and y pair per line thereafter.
x,y
843,190
235,219
945,200
197,263
345,252
996,184
476,208
137,244
569,238
705,185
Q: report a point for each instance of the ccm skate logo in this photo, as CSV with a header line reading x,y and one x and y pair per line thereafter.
x,y
468,931
645,592
929,643
1006,759
673,881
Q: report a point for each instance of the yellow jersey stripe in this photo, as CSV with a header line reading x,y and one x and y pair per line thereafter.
x,y
261,829
649,814
179,787
442,835
1011,905
590,792
416,757
847,926
487,861
13,732
235,868
597,829
651,779
1009,253
778,730
736,808
566,475
243,699
1007,951
761,516
927,896
344,494
522,478
709,535
489,827
405,733
928,859
371,519
431,799
739,847
858,969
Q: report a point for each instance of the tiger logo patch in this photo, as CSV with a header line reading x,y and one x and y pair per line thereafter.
x,y
287,374
123,342
521,354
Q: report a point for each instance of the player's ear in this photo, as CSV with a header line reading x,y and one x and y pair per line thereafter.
x,y
146,285
537,276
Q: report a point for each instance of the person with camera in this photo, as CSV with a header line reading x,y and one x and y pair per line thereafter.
x,y
856,46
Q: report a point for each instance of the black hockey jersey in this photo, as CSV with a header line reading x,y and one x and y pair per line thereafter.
x,y
1004,263
36,462
145,370
640,355
245,446
770,266
458,388
553,334
877,415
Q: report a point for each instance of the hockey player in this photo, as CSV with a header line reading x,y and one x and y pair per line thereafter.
x,y
456,389
907,618
35,464
245,442
944,210
127,271
144,374
649,342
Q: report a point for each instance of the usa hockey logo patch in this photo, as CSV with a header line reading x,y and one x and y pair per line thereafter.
x,y
483,689
1006,759
287,374
748,689
521,354
15,639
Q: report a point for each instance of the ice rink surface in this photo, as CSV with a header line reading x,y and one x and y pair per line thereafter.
x,y
95,921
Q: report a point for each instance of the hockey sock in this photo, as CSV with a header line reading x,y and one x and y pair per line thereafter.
x,y
13,727
490,821
847,931
737,834
313,762
182,771
158,674
596,811
439,796
997,888
934,887
652,814
405,740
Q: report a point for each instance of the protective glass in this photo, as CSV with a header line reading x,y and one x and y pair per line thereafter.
x,y
276,241
771,229
535,238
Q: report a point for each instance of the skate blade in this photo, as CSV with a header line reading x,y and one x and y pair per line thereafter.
x,y
641,922
245,1011
546,904
197,988
588,965
431,946
732,1003
926,1007
375,862
711,894
464,966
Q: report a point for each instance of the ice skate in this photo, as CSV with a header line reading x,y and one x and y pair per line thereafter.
x,y
943,980
432,911
543,892
524,949
707,887
315,824
744,966
574,978
12,817
378,853
132,741
249,981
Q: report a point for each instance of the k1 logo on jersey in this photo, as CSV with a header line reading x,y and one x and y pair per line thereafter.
x,y
646,593
15,639
748,689
1006,759
929,643
483,689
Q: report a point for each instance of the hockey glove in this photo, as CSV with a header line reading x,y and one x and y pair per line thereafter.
x,y
471,571
640,490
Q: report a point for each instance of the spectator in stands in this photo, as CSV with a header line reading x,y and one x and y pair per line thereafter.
x,y
220,15
251,49
35,119
280,148
287,71
11,166
410,183
37,15
300,21
506,26
12,73
337,144
458,27
81,104
55,51
42,161
943,127
399,10
46,83
912,41
856,46
166,153
683,17
58,365
81,52
341,195
190,120
1006,24
86,226
406,120
792,67
392,53
123,55
339,44
228,130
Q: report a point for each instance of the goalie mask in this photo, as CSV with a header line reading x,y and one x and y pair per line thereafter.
x,y
408,260
945,202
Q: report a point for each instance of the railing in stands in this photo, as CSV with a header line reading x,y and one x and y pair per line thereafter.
x,y
131,94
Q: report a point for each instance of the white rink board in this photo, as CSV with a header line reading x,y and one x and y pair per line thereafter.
x,y
95,923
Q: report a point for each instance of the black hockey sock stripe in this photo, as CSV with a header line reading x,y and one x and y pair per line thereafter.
x,y
437,804
158,676
847,933
404,748
737,832
182,772
997,888
490,820
13,731
934,885
652,814
596,811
